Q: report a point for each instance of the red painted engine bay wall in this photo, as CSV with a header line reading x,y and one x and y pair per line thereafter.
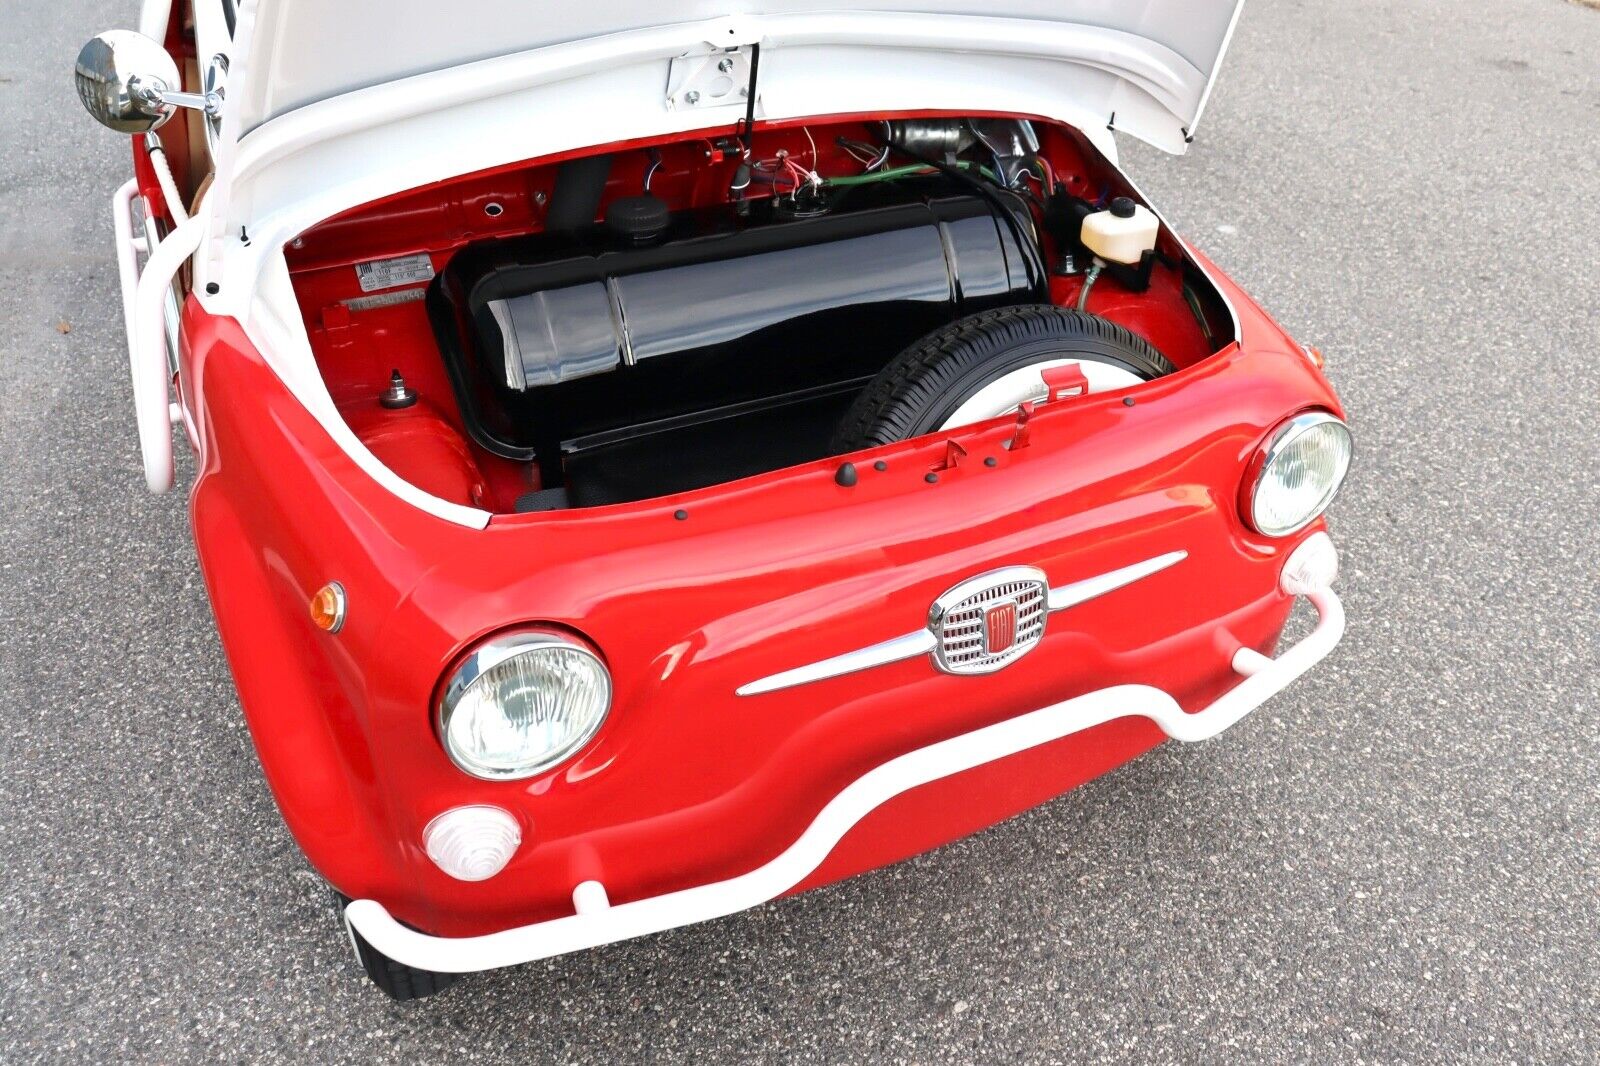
x,y
692,597
358,347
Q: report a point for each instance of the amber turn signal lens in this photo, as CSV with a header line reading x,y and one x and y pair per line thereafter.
x,y
328,606
1315,355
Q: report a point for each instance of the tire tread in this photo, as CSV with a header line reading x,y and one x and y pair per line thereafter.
x,y
889,408
397,980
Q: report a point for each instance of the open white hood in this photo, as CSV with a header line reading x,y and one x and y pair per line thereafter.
x,y
331,104
1140,66
335,103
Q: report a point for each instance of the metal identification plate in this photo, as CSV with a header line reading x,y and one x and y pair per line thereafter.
x,y
378,274
384,299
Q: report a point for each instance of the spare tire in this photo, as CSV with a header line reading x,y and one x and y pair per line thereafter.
x,y
987,364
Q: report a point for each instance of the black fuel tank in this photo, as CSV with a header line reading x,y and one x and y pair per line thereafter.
x,y
556,337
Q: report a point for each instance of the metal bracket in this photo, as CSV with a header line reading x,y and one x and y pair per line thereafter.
x,y
1019,439
208,101
953,454
1068,380
716,79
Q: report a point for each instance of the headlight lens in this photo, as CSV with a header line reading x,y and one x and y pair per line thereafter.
x,y
522,703
1302,468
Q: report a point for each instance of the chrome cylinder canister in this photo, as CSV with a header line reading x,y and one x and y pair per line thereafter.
x,y
567,335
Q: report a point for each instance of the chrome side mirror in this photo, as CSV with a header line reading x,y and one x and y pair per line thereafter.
x,y
128,82
122,79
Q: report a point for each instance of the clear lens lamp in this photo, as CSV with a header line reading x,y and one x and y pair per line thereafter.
x,y
1310,567
1300,470
472,843
522,703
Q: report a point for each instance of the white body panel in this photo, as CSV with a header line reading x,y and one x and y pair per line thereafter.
x,y
325,120
305,51
325,111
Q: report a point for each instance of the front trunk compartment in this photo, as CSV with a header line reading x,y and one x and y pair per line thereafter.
x,y
729,337
654,319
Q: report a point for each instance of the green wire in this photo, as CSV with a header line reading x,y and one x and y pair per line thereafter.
x,y
901,172
879,175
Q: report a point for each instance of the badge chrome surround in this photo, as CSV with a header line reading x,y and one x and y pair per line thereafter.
x,y
988,622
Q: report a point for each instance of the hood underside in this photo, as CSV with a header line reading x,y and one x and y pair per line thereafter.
x,y
1140,67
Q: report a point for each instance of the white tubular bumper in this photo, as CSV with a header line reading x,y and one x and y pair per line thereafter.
x,y
595,921
144,313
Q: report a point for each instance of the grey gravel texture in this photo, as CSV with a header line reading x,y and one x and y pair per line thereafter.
x,y
1394,861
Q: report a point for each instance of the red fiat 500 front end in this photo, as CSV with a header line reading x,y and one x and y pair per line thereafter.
x,y
781,709
763,467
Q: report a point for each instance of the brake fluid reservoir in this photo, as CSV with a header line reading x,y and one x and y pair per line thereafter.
x,y
1122,233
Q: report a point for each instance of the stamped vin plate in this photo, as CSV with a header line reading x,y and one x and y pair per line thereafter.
x,y
378,274
385,299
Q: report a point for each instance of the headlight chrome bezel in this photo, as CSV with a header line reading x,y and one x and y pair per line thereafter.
x,y
494,652
1282,438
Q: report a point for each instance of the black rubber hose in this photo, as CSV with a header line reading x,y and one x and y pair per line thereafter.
x,y
580,186
1033,258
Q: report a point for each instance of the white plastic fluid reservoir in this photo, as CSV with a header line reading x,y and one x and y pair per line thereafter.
x,y
1122,233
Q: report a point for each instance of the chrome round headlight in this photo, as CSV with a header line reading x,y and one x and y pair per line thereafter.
x,y
522,703
1301,469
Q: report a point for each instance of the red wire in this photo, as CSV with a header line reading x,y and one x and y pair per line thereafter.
x,y
768,169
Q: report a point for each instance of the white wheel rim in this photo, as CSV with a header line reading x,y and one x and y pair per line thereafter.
x,y
1010,391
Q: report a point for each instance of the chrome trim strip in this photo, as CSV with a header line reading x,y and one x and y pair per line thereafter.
x,y
923,641
890,651
1082,591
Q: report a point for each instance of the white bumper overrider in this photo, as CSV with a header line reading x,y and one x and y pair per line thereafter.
x,y
596,922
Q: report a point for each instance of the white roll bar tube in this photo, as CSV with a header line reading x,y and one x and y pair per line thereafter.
x,y
144,294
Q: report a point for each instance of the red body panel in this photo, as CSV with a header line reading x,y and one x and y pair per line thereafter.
x,y
687,782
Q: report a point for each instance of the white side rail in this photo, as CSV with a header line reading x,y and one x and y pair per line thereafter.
x,y
144,312
596,921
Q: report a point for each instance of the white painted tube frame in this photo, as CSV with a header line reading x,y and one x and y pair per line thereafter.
x,y
143,313
596,921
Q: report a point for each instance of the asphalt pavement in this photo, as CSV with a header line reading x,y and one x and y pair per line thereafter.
x,y
1397,860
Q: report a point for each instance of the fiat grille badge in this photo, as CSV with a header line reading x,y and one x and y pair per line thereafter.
x,y
988,622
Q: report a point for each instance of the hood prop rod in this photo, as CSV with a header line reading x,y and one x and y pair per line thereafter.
x,y
745,132
747,126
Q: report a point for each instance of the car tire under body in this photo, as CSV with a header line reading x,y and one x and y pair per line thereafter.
x,y
397,980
